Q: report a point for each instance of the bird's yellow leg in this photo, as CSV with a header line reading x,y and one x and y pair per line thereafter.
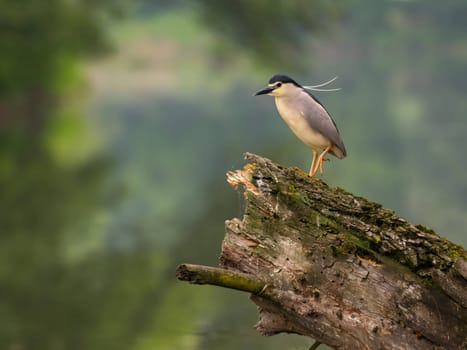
x,y
315,153
319,163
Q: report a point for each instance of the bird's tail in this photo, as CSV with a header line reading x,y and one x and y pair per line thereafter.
x,y
336,151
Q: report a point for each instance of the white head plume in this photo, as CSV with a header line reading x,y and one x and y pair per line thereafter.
x,y
317,87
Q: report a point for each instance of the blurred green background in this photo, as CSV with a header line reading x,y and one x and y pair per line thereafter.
x,y
119,119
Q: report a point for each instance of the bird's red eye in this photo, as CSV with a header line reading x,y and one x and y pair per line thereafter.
x,y
278,85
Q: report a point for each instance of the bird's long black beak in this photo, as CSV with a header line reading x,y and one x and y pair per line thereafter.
x,y
265,91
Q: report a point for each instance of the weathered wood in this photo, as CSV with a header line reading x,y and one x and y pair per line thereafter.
x,y
341,269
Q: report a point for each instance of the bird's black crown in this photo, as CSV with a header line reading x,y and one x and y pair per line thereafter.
x,y
283,79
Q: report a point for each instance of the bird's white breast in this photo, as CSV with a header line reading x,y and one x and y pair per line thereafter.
x,y
291,113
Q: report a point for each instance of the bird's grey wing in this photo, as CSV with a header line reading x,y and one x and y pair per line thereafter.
x,y
319,119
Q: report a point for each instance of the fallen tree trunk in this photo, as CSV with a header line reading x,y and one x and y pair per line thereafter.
x,y
338,268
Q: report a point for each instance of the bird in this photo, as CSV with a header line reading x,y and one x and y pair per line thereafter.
x,y
307,118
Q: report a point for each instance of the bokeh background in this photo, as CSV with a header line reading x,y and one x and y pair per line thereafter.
x,y
119,120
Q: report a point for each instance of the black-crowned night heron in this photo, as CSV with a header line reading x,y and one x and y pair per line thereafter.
x,y
307,118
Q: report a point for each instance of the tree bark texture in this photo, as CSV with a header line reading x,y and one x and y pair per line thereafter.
x,y
341,269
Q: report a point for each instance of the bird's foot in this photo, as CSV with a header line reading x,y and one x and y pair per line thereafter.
x,y
321,164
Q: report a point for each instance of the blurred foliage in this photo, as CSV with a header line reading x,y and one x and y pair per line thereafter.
x,y
39,37
97,212
416,117
42,44
273,32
